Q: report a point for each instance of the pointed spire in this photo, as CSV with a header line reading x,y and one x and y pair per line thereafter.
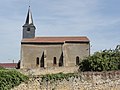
x,y
29,19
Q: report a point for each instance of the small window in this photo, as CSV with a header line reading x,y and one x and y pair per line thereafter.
x,y
28,29
77,60
37,61
54,61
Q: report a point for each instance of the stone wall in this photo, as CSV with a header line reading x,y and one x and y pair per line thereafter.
x,y
50,70
64,54
84,81
45,53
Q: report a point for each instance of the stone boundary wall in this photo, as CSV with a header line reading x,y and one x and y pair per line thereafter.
x,y
50,70
85,81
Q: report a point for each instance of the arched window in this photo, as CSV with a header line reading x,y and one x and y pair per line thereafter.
x,y
28,29
54,61
37,61
77,60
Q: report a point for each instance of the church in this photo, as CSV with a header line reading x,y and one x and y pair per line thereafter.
x,y
45,52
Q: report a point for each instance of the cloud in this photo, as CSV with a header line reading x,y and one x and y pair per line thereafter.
x,y
84,15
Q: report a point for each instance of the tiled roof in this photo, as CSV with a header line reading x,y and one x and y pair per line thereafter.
x,y
55,39
8,65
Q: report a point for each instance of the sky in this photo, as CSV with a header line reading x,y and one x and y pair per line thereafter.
x,y
99,20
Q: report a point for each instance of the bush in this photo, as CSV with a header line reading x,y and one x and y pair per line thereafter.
x,y
58,76
10,78
105,60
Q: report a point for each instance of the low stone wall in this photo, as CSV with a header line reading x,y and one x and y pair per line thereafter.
x,y
84,81
50,70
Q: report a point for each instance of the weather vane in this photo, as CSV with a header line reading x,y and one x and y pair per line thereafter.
x,y
29,2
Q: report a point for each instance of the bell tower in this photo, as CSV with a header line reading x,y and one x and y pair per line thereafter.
x,y
28,27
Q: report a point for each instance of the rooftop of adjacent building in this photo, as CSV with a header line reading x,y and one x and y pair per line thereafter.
x,y
8,65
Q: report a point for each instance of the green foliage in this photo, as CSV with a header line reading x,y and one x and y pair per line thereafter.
x,y
105,60
10,78
58,76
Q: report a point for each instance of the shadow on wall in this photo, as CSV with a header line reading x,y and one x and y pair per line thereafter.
x,y
61,60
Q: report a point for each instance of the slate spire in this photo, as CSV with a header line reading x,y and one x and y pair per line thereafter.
x,y
29,19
